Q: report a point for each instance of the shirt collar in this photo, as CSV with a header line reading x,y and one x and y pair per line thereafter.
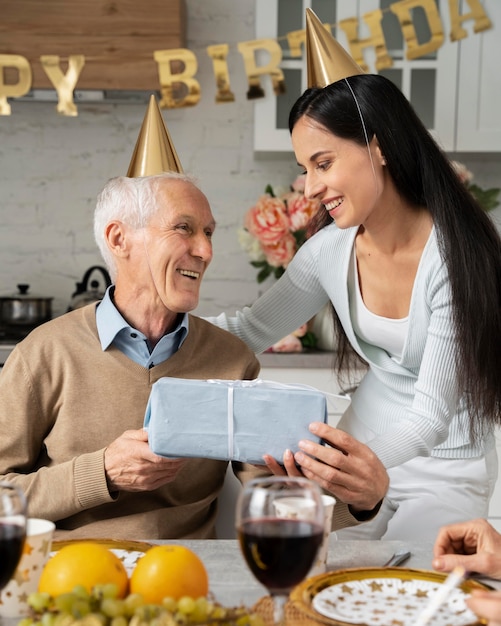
x,y
110,322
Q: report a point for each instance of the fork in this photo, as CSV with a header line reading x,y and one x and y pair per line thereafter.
x,y
399,557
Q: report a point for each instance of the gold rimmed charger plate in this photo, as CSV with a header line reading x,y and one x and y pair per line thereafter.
x,y
371,596
129,552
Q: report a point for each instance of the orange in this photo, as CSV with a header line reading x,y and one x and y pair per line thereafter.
x,y
169,571
83,563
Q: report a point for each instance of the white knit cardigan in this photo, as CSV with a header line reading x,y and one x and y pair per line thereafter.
x,y
413,403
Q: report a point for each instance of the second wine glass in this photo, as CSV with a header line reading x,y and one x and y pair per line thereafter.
x,y
280,523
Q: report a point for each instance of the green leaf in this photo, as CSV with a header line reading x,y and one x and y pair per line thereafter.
x,y
264,273
269,189
300,237
487,198
278,271
259,263
309,340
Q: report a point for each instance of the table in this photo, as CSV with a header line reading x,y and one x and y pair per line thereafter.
x,y
232,583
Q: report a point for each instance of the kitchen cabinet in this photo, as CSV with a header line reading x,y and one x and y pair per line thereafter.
x,y
116,38
454,90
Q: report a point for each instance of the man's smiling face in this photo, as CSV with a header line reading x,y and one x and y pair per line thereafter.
x,y
177,245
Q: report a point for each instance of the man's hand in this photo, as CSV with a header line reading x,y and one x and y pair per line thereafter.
x,y
475,545
130,465
345,467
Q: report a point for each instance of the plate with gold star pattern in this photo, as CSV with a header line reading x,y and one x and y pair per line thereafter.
x,y
390,596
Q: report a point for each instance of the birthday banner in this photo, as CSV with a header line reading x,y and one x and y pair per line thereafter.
x,y
177,68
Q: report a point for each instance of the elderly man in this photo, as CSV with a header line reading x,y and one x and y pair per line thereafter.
x,y
73,393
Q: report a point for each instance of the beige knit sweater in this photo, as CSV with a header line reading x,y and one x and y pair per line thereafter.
x,y
63,400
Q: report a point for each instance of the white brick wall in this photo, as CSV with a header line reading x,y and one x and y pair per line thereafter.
x,y
52,167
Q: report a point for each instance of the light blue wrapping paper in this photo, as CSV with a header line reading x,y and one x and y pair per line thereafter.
x,y
230,420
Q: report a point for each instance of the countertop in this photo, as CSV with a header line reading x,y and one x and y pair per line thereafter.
x,y
309,358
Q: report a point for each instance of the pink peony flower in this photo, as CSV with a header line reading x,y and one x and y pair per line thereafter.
x,y
465,176
275,228
280,254
267,220
300,209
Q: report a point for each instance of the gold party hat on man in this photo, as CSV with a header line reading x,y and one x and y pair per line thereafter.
x,y
154,152
326,60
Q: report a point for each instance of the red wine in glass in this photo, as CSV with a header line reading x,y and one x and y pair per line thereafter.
x,y
11,547
12,530
280,521
280,552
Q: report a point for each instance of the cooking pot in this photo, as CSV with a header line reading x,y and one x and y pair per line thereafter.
x,y
88,290
25,309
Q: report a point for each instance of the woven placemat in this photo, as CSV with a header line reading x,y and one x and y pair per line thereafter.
x,y
293,615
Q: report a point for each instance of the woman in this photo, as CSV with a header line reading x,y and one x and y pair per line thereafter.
x,y
412,266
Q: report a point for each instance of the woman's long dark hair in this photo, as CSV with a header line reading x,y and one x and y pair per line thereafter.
x,y
470,245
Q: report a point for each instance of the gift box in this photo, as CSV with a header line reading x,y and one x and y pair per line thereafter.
x,y
232,420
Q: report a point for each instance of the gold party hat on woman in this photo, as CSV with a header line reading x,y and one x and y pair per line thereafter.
x,y
154,152
326,60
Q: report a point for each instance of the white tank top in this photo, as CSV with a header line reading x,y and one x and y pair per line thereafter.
x,y
383,332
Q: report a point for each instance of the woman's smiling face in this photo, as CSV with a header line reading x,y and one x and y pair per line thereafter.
x,y
339,172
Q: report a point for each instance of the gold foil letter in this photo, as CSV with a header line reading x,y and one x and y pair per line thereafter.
x,y
296,39
477,13
403,11
247,49
171,83
218,54
14,90
377,40
64,83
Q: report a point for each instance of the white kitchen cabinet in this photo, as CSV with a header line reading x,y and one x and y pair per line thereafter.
x,y
478,126
455,90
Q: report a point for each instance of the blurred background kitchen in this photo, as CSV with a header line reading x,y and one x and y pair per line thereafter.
x,y
52,165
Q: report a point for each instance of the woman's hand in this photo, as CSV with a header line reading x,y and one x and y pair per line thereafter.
x,y
344,467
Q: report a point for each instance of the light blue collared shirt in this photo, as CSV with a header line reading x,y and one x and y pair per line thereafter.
x,y
113,329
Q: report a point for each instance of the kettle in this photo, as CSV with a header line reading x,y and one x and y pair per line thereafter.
x,y
89,291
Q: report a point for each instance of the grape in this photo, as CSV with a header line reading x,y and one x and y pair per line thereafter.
x,y
108,590
48,619
112,607
201,610
186,605
103,607
39,600
132,602
81,591
64,602
64,619
170,604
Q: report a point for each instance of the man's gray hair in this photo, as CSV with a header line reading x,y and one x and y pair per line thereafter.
x,y
130,200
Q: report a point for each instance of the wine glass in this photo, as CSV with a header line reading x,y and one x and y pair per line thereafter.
x,y
280,522
12,529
